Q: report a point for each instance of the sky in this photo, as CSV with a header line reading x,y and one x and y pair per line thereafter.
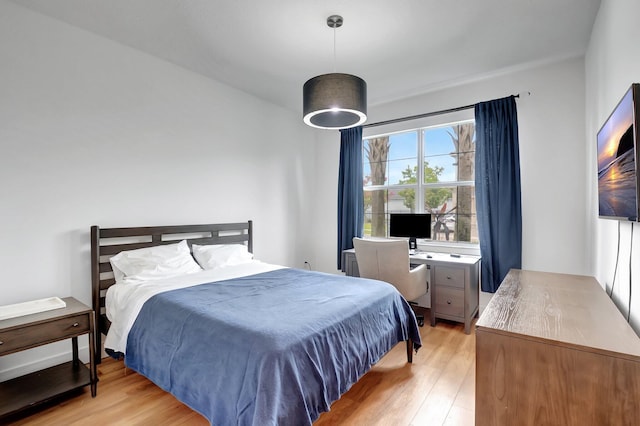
x,y
403,153
615,126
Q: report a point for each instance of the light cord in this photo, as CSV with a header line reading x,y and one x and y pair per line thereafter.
x,y
615,270
630,270
334,48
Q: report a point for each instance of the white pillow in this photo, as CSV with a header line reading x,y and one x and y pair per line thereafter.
x,y
152,263
218,255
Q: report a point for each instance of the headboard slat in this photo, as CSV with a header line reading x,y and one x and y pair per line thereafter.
x,y
105,267
105,284
177,229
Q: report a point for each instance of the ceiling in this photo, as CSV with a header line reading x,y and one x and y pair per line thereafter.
x,y
269,48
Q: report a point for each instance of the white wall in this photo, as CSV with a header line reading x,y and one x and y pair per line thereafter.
x,y
96,133
612,63
552,155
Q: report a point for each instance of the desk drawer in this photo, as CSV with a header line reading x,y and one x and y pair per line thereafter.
x,y
453,277
449,301
38,334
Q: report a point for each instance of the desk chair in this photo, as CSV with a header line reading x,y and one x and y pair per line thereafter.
x,y
388,260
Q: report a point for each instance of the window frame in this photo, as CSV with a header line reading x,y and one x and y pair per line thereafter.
x,y
420,186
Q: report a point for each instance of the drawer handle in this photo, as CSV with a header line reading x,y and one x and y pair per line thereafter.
x,y
448,277
75,324
1,342
448,302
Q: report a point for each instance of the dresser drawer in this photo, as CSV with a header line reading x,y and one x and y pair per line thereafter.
x,y
38,334
450,301
453,277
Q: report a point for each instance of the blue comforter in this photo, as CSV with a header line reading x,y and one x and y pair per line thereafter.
x,y
275,348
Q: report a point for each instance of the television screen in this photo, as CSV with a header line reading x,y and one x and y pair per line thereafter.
x,y
412,225
617,159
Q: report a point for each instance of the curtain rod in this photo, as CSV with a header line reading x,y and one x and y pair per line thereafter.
x,y
427,114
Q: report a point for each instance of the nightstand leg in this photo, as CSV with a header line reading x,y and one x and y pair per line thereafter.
x,y
74,346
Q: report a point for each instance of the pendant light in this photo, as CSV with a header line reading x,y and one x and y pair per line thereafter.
x,y
336,100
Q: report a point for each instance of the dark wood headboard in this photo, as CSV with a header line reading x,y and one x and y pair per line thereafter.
x,y
107,242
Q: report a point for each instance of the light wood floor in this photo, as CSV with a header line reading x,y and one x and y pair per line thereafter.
x,y
437,389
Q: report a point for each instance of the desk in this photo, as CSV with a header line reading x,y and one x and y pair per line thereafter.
x,y
453,284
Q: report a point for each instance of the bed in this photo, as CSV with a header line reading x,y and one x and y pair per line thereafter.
x,y
241,342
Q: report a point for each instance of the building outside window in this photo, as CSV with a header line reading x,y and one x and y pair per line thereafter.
x,y
425,170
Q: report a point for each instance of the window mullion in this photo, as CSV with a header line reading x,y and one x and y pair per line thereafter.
x,y
420,174
447,184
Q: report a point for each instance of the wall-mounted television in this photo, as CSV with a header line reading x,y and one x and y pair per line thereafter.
x,y
618,159
412,225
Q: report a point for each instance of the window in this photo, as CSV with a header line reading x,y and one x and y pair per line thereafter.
x,y
426,170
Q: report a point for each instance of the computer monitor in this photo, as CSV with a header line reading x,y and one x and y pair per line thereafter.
x,y
412,225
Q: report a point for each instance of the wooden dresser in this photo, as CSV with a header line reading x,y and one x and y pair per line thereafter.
x,y
553,349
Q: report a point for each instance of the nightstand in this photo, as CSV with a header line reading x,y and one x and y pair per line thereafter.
x,y
29,331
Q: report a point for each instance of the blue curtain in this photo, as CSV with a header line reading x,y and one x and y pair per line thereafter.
x,y
498,190
350,194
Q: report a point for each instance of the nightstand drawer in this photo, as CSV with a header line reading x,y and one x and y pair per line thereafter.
x,y
453,277
450,301
38,334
